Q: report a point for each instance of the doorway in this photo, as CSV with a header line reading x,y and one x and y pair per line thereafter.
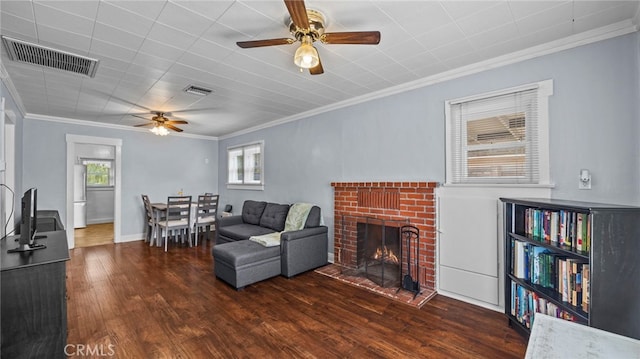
x,y
75,146
93,206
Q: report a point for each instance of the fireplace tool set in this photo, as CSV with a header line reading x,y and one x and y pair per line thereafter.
x,y
411,236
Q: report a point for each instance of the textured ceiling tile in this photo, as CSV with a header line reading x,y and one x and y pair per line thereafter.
x,y
117,36
124,20
61,20
485,19
184,20
23,9
84,8
21,28
171,37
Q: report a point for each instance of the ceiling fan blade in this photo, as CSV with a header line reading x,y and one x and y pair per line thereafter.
x,y
176,122
355,38
144,118
172,127
268,42
318,69
298,13
144,124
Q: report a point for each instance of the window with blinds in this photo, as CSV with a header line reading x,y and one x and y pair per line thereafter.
x,y
494,138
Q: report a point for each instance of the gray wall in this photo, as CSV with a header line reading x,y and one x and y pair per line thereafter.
x,y
154,165
594,124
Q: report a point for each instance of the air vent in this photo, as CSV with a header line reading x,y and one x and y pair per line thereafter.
x,y
196,90
35,54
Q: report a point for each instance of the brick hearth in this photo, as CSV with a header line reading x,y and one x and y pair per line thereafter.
x,y
389,201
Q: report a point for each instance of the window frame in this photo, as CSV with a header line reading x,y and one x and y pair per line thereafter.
x,y
544,89
250,185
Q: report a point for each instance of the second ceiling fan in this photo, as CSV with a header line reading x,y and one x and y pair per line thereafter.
x,y
308,26
162,124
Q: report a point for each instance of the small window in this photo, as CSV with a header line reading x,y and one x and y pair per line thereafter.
x,y
499,137
99,173
245,166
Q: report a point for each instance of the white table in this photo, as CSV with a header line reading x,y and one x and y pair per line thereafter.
x,y
557,338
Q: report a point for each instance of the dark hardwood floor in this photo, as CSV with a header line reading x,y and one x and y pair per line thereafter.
x,y
146,303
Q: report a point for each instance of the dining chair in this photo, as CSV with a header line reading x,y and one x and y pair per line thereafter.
x,y
150,228
177,219
206,212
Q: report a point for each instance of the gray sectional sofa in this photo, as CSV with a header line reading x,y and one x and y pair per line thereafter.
x,y
240,261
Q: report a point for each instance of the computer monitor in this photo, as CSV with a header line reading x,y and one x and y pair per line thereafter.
x,y
28,223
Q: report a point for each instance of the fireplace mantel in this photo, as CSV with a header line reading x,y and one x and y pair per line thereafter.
x,y
396,201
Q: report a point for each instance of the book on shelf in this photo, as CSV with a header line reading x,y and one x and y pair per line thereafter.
x,y
571,230
576,277
555,228
579,224
520,263
537,264
585,287
562,240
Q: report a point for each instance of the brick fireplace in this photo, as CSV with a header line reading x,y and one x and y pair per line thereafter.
x,y
394,202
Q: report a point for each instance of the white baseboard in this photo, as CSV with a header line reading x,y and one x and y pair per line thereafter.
x,y
131,238
99,220
331,258
471,301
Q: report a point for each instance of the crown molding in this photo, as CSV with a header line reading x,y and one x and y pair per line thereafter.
x,y
569,42
71,121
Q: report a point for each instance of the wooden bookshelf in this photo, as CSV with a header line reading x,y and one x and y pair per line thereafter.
x,y
551,246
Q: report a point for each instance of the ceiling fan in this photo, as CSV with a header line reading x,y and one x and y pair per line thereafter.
x,y
161,124
308,26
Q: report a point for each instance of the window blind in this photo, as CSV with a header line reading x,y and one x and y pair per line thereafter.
x,y
495,139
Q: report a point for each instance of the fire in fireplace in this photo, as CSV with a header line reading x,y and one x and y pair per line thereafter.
x,y
378,243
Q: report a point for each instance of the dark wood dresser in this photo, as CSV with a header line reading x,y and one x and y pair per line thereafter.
x,y
33,298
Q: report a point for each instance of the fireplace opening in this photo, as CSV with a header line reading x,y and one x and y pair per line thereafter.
x,y
378,252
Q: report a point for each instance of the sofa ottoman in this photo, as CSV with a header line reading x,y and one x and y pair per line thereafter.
x,y
245,262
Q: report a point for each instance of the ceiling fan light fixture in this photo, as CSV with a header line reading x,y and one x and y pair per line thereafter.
x,y
306,56
159,130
